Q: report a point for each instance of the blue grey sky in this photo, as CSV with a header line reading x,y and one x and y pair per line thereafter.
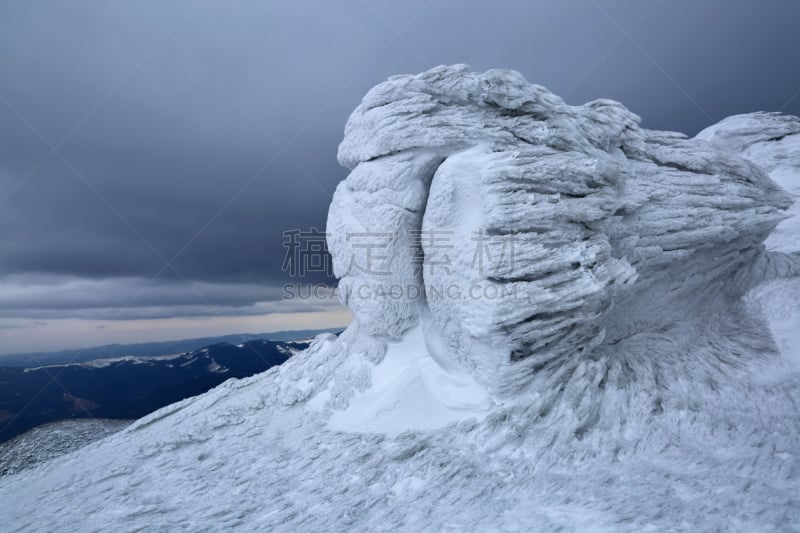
x,y
152,153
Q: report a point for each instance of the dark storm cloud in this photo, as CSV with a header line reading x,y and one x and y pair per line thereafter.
x,y
33,296
204,146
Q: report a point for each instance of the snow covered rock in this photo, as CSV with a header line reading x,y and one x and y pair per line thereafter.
x,y
633,365
589,214
772,141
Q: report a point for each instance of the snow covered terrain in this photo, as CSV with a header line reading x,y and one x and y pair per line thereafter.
x,y
49,441
633,368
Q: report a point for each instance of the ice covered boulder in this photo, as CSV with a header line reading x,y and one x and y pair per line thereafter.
x,y
527,234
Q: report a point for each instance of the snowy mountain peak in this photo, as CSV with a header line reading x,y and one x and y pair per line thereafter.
x,y
561,321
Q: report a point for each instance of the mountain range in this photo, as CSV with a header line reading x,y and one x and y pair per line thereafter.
x,y
131,386
146,349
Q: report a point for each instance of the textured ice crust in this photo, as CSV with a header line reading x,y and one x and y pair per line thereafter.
x,y
603,218
645,378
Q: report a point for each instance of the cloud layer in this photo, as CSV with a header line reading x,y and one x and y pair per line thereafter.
x,y
189,135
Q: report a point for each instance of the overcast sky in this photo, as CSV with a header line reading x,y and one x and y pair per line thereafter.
x,y
152,153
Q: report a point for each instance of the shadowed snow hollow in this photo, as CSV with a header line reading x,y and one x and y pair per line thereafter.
x,y
561,320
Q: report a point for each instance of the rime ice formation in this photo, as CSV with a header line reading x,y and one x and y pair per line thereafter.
x,y
773,142
604,218
634,367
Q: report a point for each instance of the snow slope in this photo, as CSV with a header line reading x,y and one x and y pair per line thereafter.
x,y
409,390
46,442
642,377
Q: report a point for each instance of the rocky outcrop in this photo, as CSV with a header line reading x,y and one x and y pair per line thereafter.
x,y
539,226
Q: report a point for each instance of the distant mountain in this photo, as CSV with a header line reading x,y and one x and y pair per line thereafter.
x,y
148,349
127,387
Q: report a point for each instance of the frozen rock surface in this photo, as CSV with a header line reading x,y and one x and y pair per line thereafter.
x,y
595,329
554,226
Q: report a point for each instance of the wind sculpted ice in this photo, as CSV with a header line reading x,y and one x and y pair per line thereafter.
x,y
546,234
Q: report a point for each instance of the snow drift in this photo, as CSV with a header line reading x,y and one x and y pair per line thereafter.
x,y
633,364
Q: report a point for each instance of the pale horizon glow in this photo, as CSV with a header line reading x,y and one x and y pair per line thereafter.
x,y
28,335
